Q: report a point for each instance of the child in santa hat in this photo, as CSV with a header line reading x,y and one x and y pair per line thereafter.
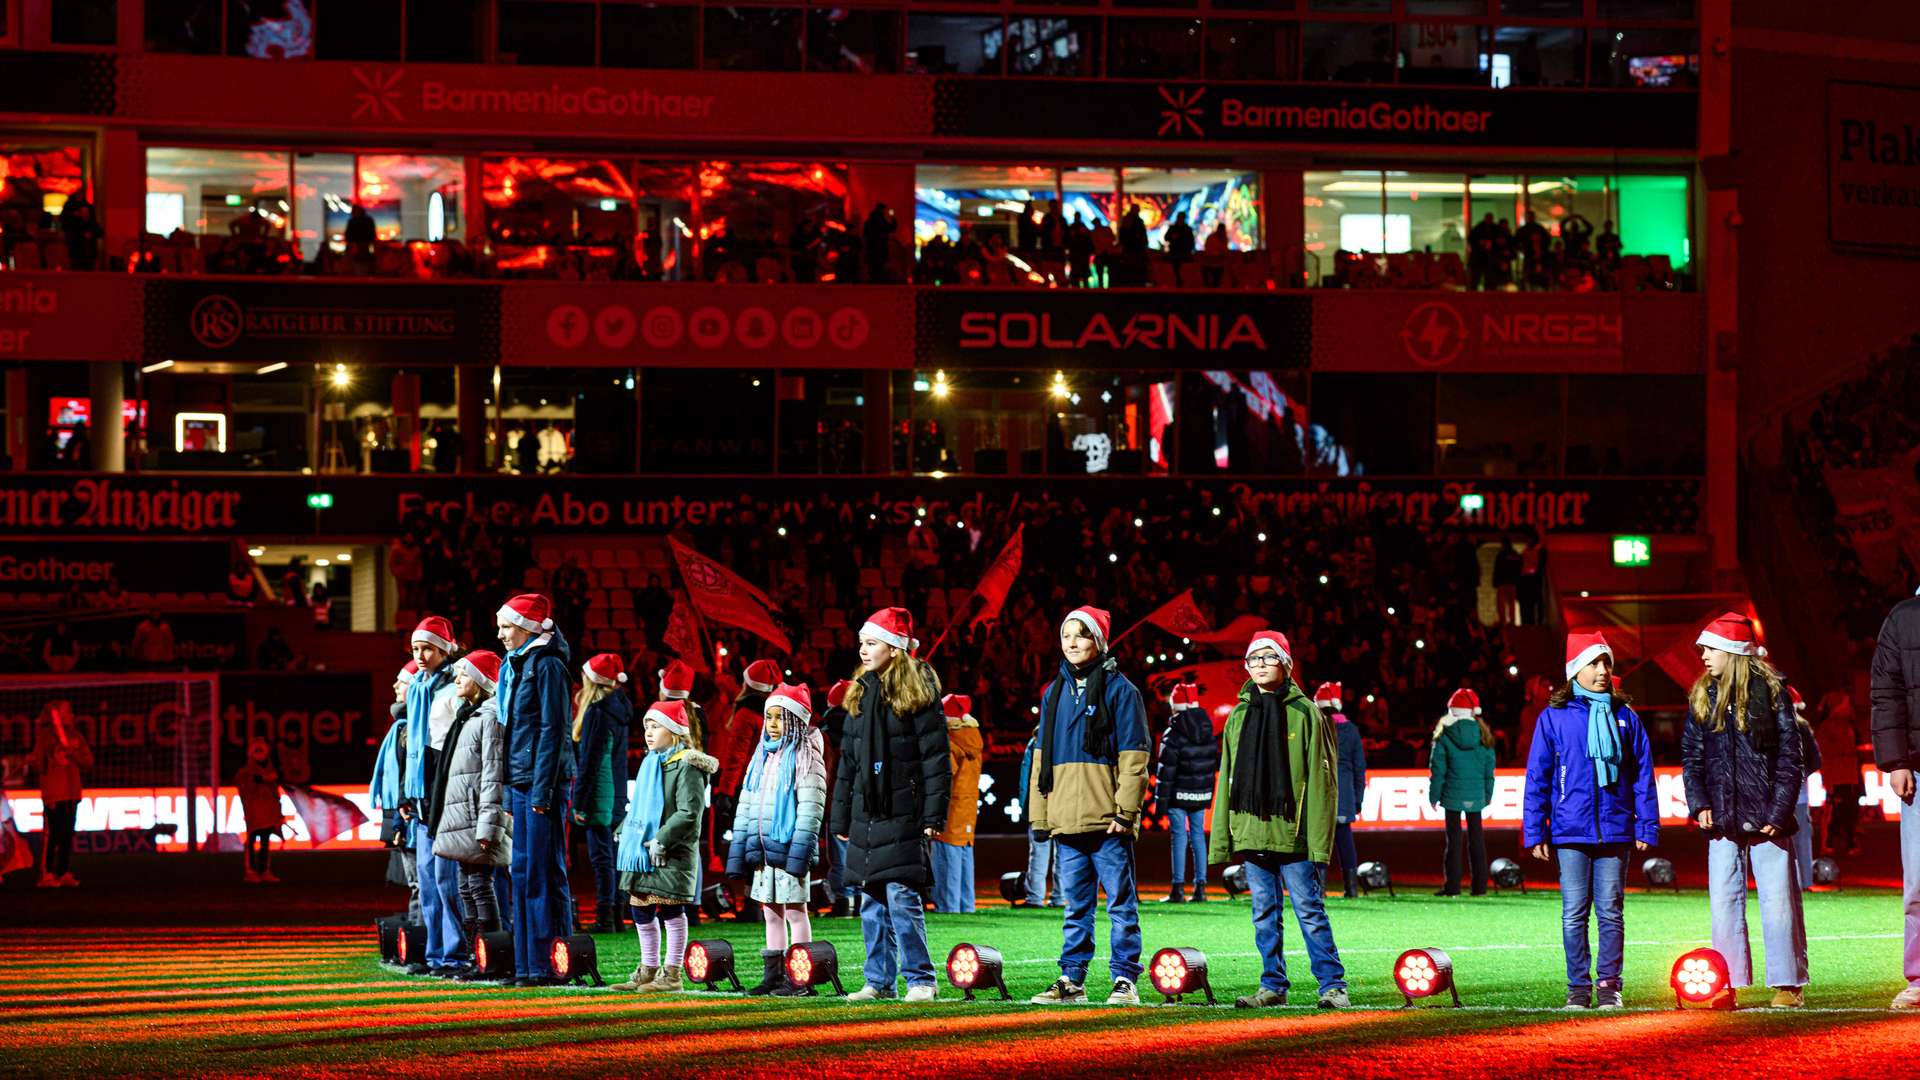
x,y
1589,801
470,825
1460,781
258,783
1088,784
430,708
1189,761
602,716
953,848
1279,785
1741,754
660,844
383,794
776,830
1351,749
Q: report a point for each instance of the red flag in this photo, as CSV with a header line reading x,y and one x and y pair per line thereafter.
x,y
683,636
14,852
1181,617
725,597
998,580
1238,632
328,817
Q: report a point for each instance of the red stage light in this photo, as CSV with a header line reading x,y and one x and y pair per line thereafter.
x,y
977,967
1701,979
1178,972
812,963
1421,973
711,962
574,960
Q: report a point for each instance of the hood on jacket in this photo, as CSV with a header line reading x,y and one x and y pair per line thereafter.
x,y
954,722
1466,736
706,763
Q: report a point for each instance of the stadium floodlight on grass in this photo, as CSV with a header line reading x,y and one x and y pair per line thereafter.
x,y
388,927
1236,878
1826,872
716,900
813,963
493,954
411,948
1425,973
1179,972
1374,875
1701,981
710,963
1659,874
1013,888
977,967
1507,875
574,960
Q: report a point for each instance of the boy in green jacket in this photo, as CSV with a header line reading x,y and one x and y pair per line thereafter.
x,y
1278,787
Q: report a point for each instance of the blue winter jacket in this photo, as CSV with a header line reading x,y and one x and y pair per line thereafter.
x,y
610,718
539,722
1353,767
1565,803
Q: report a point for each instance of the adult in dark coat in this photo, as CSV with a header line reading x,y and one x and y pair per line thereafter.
x,y
1896,750
534,694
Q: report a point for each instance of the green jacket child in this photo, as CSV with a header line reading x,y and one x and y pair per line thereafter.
x,y
1309,772
1460,769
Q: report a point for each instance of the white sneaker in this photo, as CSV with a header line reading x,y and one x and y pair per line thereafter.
x,y
921,993
869,993
1124,993
1908,998
1064,991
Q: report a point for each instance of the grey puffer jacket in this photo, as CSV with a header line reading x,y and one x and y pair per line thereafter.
x,y
474,778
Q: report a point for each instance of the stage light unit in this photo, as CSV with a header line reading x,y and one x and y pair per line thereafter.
x,y
1235,877
1425,973
1175,973
574,960
710,963
1507,874
493,954
1659,874
1701,980
977,967
411,948
1374,875
1013,888
813,963
1826,872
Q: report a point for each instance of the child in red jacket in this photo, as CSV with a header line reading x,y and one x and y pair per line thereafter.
x,y
258,783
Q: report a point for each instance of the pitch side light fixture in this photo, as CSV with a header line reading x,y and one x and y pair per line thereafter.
x,y
1659,874
493,954
973,967
1236,878
1508,875
813,963
1374,875
1175,973
574,960
1013,887
411,947
1701,980
1425,973
1826,872
710,963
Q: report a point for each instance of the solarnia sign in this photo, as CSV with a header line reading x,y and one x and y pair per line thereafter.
x,y
1020,328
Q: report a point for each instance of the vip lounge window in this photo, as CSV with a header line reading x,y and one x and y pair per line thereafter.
x,y
954,44
753,38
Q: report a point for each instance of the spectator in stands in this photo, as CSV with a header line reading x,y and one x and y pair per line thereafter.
x,y
1133,249
359,233
1607,245
776,830
1103,247
60,751
258,784
1214,269
1179,243
1351,764
471,827
953,847
1460,781
81,231
153,648
1576,234
1507,565
1183,787
533,692
569,584
1481,242
59,651
876,236
653,605
1896,750
242,582
1079,253
113,595
1840,773
1535,246
274,653
602,720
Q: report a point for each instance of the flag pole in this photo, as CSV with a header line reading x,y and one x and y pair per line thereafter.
x,y
1143,622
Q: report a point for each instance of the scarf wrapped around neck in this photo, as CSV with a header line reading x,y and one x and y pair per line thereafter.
x,y
503,690
1096,735
649,803
1262,771
1603,734
770,779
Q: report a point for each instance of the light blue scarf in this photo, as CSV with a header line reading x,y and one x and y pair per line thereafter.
x,y
649,802
384,791
785,753
1603,734
413,782
503,692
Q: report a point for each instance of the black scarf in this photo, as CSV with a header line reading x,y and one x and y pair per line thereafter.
x,y
1262,773
1097,734
876,779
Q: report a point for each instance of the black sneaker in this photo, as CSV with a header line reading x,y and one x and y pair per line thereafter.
x,y
1579,997
1608,997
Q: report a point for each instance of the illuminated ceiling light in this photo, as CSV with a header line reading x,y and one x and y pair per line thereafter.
x,y
812,964
1262,537
256,552
1513,670
976,967
271,368
1323,579
574,960
323,562
782,530
710,963
1423,973
1216,511
1373,875
341,377
1701,980
1179,972
1138,523
161,366
343,557
1060,388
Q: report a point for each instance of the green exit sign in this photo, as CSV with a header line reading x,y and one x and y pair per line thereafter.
x,y
1473,502
319,500
1632,550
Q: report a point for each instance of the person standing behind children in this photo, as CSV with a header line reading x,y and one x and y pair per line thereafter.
x,y
602,717
1189,758
833,727
1810,763
383,794
1280,785
890,800
660,846
532,704
776,830
1740,757
258,783
1088,784
59,752
1590,793
1041,880
471,825
1350,749
1460,780
953,848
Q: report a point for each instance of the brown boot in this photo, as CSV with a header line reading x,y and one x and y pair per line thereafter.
x,y
642,979
667,980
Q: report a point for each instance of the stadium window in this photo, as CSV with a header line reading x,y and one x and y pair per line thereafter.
x,y
1252,5
546,33
39,177
183,26
561,216
358,30
1637,425
822,421
270,29
678,432
1351,7
1162,4
1246,422
1658,57
1433,207
1371,417
1101,423
1211,198
1534,56
1253,49
955,44
1502,195
323,196
1646,9
751,213
1354,52
1544,9
753,38
85,22
414,197
660,36
1446,7
1153,48
446,31
1497,425
219,193
1652,217
1329,198
1062,45
853,41
663,237
1441,54
988,201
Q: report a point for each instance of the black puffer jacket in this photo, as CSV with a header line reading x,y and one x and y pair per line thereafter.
x,y
1896,689
1189,758
1748,779
890,845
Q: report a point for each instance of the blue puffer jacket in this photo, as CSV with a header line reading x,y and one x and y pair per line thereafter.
x,y
1749,779
1565,803
539,720
1352,761
750,847
608,722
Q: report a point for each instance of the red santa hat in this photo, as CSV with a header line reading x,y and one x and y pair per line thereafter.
x,y
1098,623
1799,703
407,673
892,625
796,700
528,611
1327,696
1464,704
1732,632
676,680
1184,695
671,715
761,675
482,667
957,706
1272,639
1583,649
435,631
837,693
604,669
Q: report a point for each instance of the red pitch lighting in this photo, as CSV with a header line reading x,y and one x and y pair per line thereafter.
x,y
1179,972
813,963
1423,973
976,967
711,963
1701,980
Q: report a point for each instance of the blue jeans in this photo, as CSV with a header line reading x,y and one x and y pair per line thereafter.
x,y
600,850
1803,842
542,900
837,883
1189,833
1090,862
893,921
1783,925
1343,847
1267,875
503,895
439,902
1910,886
1042,888
952,878
1592,877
